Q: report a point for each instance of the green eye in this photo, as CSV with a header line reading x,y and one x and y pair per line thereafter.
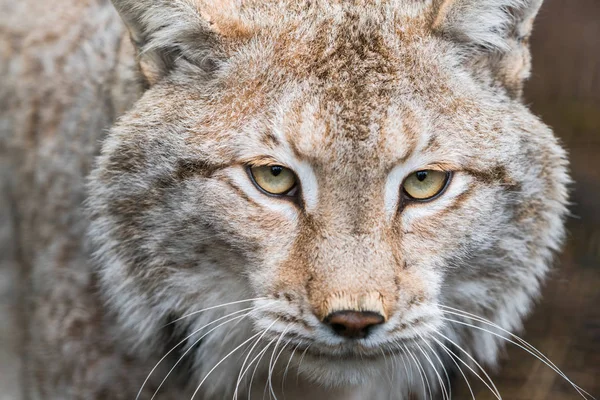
x,y
274,179
426,184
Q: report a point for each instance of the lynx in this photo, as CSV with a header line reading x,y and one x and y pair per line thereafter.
x,y
307,199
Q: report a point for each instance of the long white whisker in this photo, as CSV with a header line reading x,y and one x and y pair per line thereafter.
x,y
469,368
441,381
524,345
395,366
464,314
408,370
579,390
183,341
425,374
282,349
242,370
212,308
439,378
240,375
494,391
192,346
300,363
390,372
258,357
263,352
277,358
279,355
271,364
421,372
285,372
443,367
239,321
452,357
226,357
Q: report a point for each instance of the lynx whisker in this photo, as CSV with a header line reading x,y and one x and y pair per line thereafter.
x,y
273,363
425,374
408,370
300,362
581,392
439,378
450,352
262,353
227,356
528,347
285,372
282,349
447,389
243,370
493,389
421,373
182,342
248,353
390,371
252,309
466,314
270,367
239,321
453,358
212,308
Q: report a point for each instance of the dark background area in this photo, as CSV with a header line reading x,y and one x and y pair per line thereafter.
x,y
565,91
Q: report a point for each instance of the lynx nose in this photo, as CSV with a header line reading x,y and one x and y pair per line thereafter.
x,y
353,324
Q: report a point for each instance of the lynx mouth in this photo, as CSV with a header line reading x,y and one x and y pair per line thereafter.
x,y
351,353
346,351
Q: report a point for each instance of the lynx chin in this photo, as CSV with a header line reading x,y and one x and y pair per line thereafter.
x,y
299,199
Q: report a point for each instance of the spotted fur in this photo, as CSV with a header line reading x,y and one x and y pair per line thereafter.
x,y
353,97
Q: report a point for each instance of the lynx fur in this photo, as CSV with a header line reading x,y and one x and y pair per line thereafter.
x,y
125,133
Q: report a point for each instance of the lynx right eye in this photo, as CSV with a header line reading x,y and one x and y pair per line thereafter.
x,y
274,179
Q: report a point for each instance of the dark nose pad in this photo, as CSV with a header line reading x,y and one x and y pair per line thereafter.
x,y
353,324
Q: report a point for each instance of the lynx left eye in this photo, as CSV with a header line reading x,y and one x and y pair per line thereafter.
x,y
274,179
426,184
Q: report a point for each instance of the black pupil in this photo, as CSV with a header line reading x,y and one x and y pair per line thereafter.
x,y
276,170
421,175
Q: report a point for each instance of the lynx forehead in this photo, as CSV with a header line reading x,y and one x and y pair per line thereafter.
x,y
338,177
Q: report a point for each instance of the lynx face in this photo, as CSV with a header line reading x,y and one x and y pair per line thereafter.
x,y
353,168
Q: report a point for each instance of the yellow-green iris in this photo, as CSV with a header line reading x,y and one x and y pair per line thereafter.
x,y
274,179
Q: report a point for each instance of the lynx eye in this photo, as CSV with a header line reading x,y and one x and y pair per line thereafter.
x,y
274,179
426,184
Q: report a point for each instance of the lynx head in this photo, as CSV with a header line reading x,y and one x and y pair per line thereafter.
x,y
354,166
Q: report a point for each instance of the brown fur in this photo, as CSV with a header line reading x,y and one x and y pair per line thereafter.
x,y
352,96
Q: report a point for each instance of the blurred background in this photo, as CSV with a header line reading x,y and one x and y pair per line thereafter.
x,y
564,90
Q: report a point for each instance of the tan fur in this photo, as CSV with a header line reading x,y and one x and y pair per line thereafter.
x,y
353,97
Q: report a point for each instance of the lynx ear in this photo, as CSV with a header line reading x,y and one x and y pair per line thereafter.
x,y
166,30
493,32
